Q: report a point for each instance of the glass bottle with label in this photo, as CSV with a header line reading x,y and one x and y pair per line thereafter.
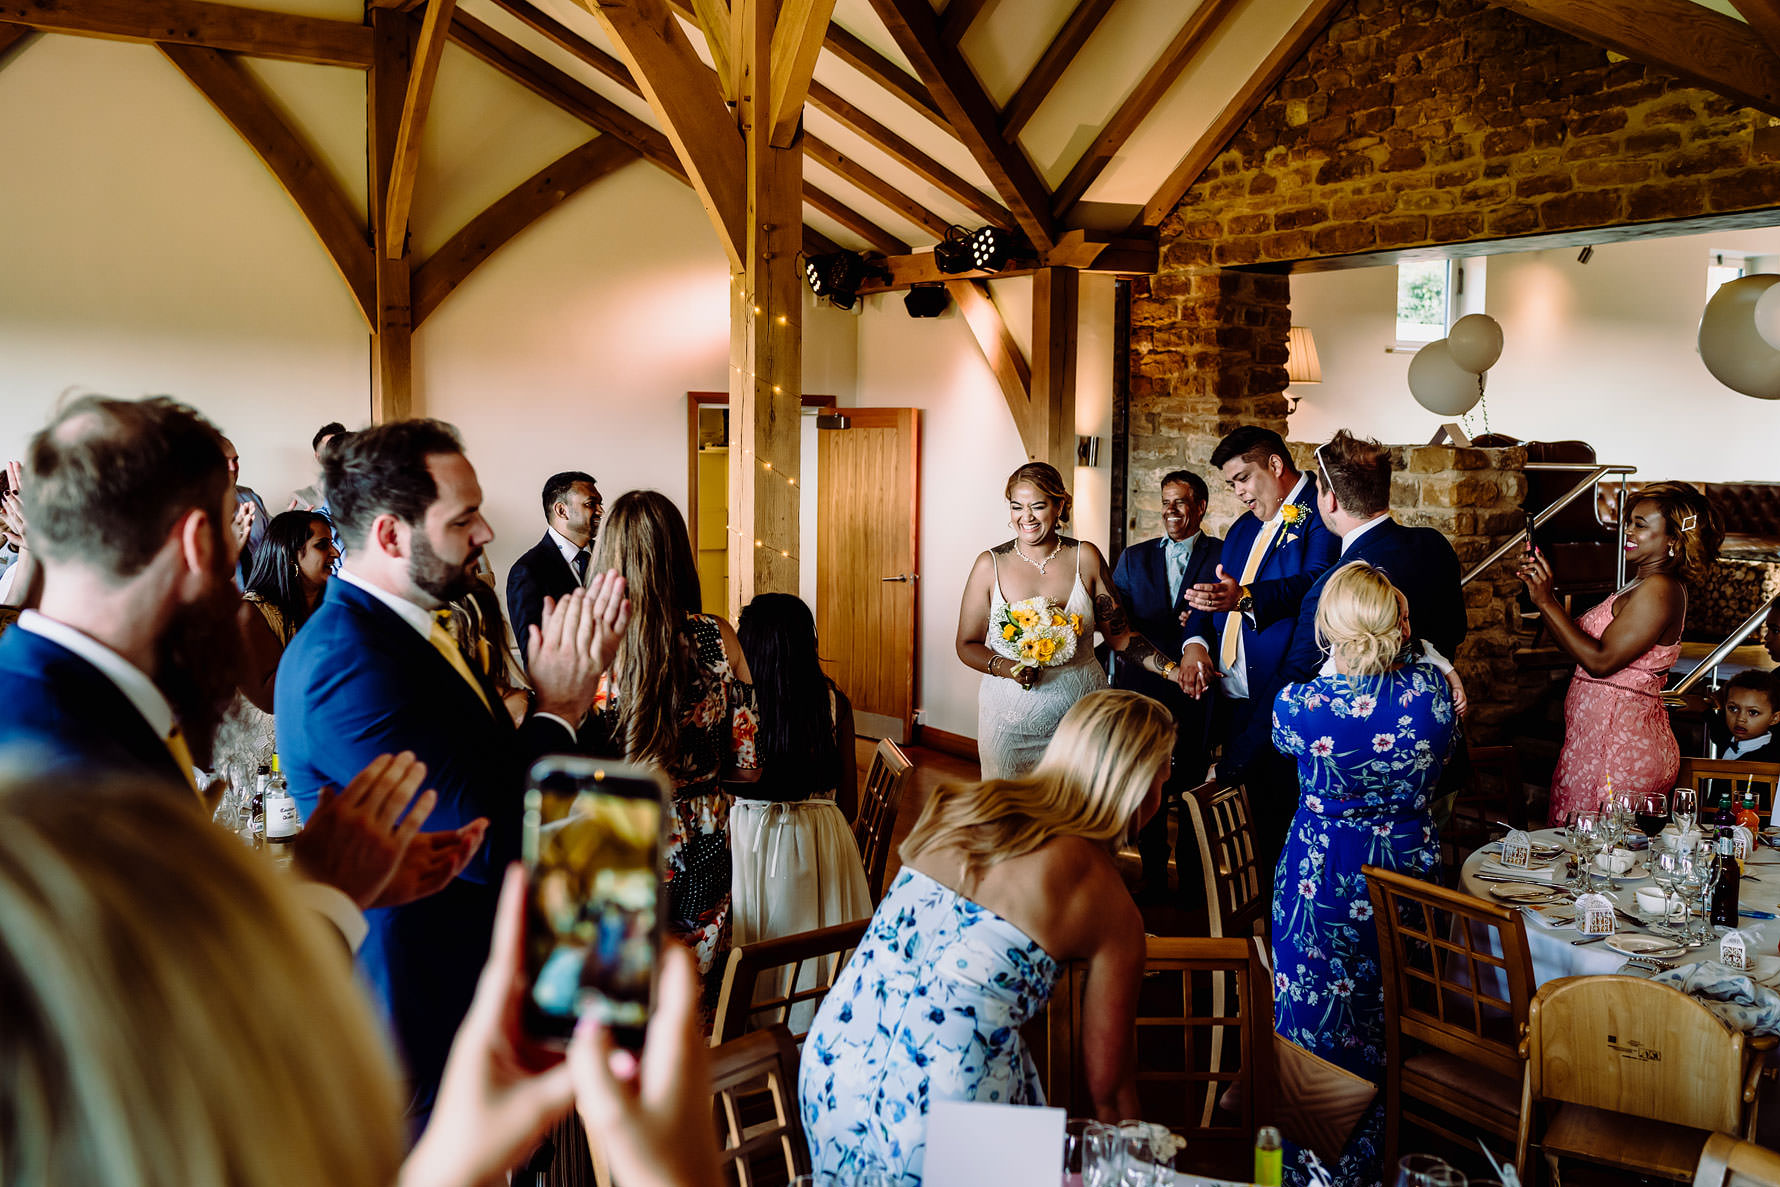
x,y
256,809
1727,892
283,822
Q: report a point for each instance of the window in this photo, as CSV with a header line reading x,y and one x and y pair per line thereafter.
x,y
1724,266
1424,301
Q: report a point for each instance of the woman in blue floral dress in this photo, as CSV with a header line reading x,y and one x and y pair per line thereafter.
x,y
1371,741
1001,883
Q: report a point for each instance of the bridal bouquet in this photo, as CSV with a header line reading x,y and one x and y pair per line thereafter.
x,y
1036,633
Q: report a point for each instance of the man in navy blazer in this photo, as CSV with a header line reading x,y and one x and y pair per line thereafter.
x,y
1151,577
557,564
1240,628
373,671
1353,477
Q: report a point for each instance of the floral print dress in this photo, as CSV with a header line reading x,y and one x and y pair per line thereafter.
x,y
929,1007
718,728
1370,750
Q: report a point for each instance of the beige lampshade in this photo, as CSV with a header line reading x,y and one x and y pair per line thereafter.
x,y
1302,365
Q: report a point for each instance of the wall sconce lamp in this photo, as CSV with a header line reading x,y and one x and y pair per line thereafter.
x,y
1087,451
1302,365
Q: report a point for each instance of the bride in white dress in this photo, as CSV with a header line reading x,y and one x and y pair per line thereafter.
x,y
1018,708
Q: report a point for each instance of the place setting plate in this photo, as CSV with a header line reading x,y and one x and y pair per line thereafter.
x,y
1526,893
1651,947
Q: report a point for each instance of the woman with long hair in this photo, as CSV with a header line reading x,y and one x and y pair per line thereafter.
x,y
1371,741
1616,730
1001,883
1025,691
291,568
677,696
797,866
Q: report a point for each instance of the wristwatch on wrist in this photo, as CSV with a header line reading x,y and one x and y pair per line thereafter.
x,y
1246,603
1168,667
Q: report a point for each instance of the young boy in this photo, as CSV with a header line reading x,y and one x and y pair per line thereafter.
x,y
1743,727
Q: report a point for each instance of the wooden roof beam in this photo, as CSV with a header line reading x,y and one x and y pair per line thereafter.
x,y
1056,59
956,89
565,38
1291,47
201,23
1141,101
880,239
1013,374
957,18
1715,51
1086,251
13,38
716,20
512,213
1764,17
886,73
245,104
691,110
834,160
797,42
434,31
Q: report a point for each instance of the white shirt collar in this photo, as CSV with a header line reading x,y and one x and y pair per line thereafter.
x,y
1744,747
1191,542
1347,541
564,545
1291,497
418,617
131,680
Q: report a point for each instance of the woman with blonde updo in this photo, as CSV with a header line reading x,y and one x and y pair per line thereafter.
x,y
1371,741
1616,731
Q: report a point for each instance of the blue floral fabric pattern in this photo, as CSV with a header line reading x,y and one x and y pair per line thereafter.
x,y
1370,750
930,1007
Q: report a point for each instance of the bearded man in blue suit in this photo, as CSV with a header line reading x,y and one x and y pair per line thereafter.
x,y
1241,627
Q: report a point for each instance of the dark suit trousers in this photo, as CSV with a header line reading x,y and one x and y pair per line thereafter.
x,y
1270,778
1191,741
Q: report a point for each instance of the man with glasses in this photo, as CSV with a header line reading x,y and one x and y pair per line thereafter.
x,y
1151,577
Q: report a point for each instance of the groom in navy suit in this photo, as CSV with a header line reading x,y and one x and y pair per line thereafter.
x,y
374,671
1151,577
1241,627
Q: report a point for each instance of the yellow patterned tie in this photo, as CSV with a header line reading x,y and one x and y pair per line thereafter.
x,y
441,639
182,754
1233,620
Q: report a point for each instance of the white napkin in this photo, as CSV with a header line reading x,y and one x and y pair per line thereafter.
x,y
970,1143
1540,873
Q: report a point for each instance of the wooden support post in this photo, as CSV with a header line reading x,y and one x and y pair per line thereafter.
x,y
395,35
766,336
1050,427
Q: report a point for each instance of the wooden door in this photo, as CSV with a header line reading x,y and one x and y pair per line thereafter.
x,y
868,491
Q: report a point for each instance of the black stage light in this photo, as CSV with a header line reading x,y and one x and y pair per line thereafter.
x,y
928,300
838,275
952,254
994,248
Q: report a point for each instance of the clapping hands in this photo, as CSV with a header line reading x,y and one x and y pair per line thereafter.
x,y
12,508
575,643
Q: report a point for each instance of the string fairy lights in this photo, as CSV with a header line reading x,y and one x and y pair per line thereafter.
x,y
752,381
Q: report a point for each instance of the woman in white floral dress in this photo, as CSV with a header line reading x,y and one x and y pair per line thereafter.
x,y
1371,742
1001,883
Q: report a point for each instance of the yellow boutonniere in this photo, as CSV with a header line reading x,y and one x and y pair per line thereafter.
x,y
1291,513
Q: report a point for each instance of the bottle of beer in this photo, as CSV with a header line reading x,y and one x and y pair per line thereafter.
x,y
1269,1157
256,812
1725,894
283,822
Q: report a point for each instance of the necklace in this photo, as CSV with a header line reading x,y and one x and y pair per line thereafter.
x,y
1040,565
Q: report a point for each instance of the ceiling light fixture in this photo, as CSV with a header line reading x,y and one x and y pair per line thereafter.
x,y
838,275
952,254
994,248
926,300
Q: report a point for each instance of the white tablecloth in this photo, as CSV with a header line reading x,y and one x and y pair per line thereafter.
x,y
1555,956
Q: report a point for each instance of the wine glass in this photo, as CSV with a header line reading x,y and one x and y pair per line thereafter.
x,y
1686,802
1591,835
1418,1170
1705,856
1652,812
1693,887
1665,870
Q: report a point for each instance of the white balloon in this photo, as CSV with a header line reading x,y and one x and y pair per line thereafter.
x,y
1730,344
1767,317
1441,385
1475,342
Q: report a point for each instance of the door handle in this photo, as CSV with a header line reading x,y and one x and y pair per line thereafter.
x,y
904,578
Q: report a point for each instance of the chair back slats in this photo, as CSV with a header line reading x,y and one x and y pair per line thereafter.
x,y
1457,973
1762,776
760,1133
885,783
1632,1046
1727,1162
1238,892
782,981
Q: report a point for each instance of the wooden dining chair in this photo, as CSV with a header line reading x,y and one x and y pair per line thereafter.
x,y
782,981
756,1151
885,783
1458,983
1052,1038
1634,1076
1727,1162
1238,892
1762,776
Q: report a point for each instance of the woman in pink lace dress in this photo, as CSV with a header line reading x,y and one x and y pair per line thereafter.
x,y
1615,726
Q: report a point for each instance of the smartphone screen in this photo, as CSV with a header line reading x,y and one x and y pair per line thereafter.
x,y
592,847
1532,540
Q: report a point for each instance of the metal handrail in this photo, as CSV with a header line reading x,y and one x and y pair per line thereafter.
x,y
1595,474
1717,655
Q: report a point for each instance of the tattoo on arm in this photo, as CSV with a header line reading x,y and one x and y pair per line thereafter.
x,y
1110,615
1003,549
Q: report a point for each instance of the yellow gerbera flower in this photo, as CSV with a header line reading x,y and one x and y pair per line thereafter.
x,y
1009,631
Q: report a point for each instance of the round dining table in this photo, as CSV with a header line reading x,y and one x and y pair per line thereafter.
x,y
1554,950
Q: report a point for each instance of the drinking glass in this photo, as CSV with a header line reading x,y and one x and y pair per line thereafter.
x,y
1652,813
1686,803
1705,856
1665,870
1591,837
1092,1149
1144,1165
1418,1170
1691,886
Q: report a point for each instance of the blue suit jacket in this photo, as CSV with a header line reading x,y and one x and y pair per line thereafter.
x,y
541,573
1421,563
1300,553
1141,577
64,716
357,682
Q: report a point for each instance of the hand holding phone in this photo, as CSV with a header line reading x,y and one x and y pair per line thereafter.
x,y
1532,533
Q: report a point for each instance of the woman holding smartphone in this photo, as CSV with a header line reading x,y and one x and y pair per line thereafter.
x,y
1002,882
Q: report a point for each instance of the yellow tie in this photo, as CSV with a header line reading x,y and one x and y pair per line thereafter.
x,y
182,754
1233,621
441,639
